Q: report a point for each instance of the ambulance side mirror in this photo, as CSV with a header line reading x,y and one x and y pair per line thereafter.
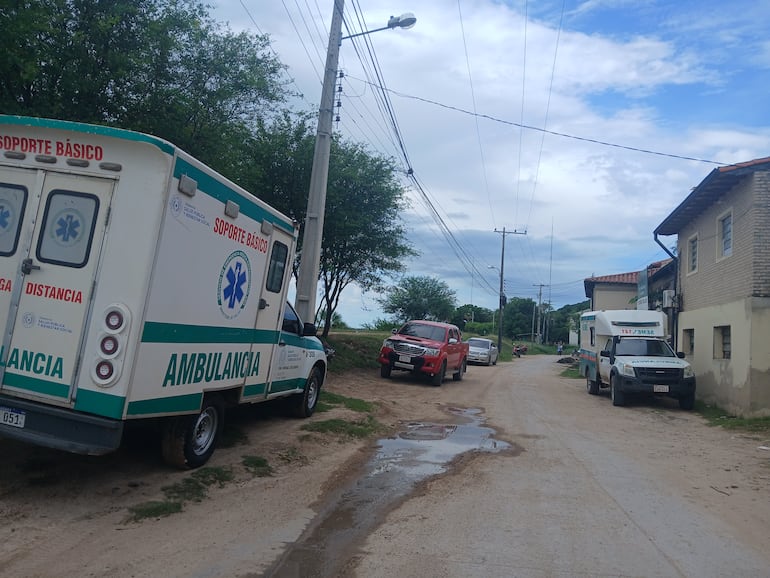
x,y
309,330
605,353
680,354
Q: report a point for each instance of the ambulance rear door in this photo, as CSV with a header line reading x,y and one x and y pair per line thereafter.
x,y
52,227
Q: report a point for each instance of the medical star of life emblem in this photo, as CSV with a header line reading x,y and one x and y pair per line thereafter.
x,y
234,284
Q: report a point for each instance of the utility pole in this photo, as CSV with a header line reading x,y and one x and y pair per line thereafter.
x,y
310,262
502,291
539,308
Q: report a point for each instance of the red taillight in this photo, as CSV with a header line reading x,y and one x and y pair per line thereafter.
x,y
105,370
114,320
109,345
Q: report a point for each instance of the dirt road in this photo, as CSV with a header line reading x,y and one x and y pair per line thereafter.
x,y
590,490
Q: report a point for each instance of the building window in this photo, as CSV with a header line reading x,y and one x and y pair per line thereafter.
x,y
725,246
722,342
689,341
692,254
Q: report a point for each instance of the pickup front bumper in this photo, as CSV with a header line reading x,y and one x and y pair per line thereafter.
x,y
416,363
634,385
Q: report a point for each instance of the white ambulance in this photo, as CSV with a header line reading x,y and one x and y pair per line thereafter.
x,y
628,352
138,284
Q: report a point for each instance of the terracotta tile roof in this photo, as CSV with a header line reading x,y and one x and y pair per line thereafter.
x,y
631,278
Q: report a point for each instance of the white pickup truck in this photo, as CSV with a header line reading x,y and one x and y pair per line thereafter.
x,y
627,352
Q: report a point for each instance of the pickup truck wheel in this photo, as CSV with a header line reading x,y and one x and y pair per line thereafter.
x,y
618,399
687,402
189,441
459,375
591,385
385,370
438,379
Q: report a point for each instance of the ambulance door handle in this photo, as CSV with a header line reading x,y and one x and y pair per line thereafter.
x,y
27,267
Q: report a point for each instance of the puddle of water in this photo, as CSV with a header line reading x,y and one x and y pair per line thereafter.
x,y
420,450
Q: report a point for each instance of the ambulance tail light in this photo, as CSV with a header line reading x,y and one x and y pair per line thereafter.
x,y
116,322
105,370
109,346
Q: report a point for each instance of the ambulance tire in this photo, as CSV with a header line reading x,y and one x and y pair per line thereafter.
x,y
592,386
305,402
189,441
618,398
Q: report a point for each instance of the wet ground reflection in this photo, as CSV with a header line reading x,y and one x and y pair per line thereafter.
x,y
420,450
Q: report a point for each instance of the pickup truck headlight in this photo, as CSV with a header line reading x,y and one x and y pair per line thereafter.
x,y
430,352
387,343
627,370
688,372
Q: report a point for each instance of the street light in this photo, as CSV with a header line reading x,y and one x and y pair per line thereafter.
x,y
310,264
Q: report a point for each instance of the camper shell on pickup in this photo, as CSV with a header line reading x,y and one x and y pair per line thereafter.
x,y
628,352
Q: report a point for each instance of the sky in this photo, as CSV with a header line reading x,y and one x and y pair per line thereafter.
x,y
578,127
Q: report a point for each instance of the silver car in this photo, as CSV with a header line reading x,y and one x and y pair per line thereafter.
x,y
481,350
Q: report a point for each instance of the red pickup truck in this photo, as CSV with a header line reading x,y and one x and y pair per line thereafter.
x,y
425,347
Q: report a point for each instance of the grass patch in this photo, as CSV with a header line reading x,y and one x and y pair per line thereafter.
x,y
352,403
154,510
357,350
258,466
357,429
195,487
571,372
716,416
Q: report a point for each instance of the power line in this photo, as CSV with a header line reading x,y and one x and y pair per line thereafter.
x,y
546,131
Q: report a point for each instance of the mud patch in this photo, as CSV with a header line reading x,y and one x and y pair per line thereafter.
x,y
419,451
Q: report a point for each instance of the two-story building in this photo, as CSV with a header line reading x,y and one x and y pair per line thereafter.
x,y
723,285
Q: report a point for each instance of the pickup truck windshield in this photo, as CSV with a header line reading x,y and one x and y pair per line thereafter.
x,y
423,331
648,347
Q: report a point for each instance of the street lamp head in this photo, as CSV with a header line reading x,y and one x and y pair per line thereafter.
x,y
406,20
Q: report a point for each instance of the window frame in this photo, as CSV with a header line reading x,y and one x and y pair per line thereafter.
x,y
720,246
722,342
41,251
692,256
19,217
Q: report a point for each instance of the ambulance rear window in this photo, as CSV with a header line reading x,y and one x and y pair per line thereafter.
x,y
277,267
67,230
13,200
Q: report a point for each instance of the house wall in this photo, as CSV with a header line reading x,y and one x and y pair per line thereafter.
x,y
734,291
723,382
607,297
726,279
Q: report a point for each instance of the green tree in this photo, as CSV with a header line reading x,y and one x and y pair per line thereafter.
x,y
517,317
419,298
158,66
363,237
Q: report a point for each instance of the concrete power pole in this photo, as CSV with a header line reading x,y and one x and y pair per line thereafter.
x,y
502,290
539,309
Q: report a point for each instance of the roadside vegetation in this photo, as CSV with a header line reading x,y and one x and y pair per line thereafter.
x,y
195,486
716,416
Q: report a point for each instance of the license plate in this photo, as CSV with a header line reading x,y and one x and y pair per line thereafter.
x,y
12,417
660,388
405,359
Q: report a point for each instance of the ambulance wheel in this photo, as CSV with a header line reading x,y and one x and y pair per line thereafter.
x,y
189,441
305,402
618,399
592,385
687,402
